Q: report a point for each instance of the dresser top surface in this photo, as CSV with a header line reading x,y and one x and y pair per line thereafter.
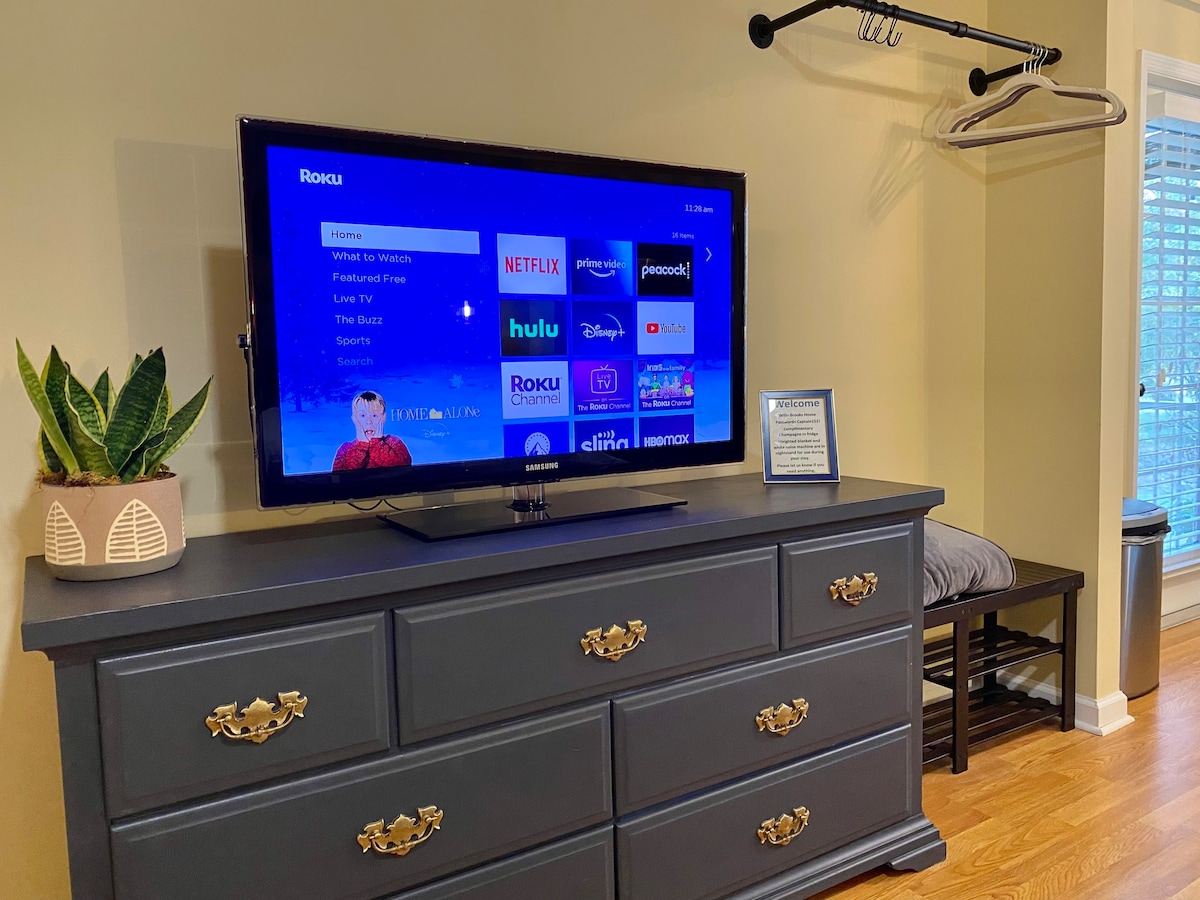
x,y
254,573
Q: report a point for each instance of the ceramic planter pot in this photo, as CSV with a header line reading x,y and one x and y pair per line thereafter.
x,y
107,531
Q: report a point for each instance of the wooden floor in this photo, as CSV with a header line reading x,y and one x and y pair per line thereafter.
x,y
1072,816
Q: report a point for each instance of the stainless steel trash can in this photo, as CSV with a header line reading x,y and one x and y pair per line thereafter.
x,y
1143,528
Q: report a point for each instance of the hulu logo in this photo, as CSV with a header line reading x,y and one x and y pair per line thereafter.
x,y
539,330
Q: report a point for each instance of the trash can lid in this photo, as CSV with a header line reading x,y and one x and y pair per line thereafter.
x,y
1142,517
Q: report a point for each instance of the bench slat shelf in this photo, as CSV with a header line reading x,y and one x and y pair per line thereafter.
x,y
992,712
990,650
968,716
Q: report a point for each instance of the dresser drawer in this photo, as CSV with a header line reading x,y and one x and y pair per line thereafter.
x,y
498,792
688,736
820,595
710,846
579,868
155,708
479,659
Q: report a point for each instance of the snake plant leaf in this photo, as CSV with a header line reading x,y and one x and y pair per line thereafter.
x,y
134,411
137,460
88,449
180,427
162,412
87,407
158,432
133,364
54,379
104,392
49,459
41,403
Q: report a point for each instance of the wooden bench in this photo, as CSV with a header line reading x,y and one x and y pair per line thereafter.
x,y
969,717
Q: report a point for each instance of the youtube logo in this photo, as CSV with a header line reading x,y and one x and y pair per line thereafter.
x,y
665,328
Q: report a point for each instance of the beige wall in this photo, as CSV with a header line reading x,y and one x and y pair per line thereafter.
x,y
1045,264
119,226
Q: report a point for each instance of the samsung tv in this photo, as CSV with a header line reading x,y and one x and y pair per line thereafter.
x,y
428,315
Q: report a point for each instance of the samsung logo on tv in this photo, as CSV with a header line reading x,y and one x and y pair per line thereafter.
x,y
540,467
309,177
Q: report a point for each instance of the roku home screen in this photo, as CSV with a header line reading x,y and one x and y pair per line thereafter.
x,y
432,312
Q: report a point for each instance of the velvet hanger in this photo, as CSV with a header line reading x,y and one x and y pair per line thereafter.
x,y
954,126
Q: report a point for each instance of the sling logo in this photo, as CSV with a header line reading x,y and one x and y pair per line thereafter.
x,y
310,177
605,440
604,434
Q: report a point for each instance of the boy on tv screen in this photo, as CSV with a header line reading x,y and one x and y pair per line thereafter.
x,y
371,448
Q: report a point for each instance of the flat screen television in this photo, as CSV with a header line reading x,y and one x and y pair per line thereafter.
x,y
430,314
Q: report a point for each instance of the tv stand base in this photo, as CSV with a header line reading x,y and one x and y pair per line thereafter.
x,y
438,523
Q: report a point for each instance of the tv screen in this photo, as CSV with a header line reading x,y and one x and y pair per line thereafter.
x,y
430,314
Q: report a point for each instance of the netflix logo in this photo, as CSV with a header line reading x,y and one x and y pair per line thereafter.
x,y
539,264
531,264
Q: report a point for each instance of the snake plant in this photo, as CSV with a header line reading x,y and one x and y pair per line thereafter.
x,y
105,435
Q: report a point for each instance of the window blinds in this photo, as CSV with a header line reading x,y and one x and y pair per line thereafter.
x,y
1169,412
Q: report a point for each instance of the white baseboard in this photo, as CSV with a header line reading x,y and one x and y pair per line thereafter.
x,y
1179,616
1100,716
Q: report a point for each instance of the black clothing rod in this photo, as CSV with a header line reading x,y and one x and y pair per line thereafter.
x,y
763,28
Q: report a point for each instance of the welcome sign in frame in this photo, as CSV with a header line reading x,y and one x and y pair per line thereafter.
x,y
799,436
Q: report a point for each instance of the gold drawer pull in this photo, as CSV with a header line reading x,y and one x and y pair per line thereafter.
x,y
780,832
782,718
856,589
403,834
614,643
259,720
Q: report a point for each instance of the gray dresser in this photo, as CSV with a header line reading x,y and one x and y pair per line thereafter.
x,y
719,700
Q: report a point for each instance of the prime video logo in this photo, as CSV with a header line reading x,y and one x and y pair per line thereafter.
x,y
601,268
310,177
605,440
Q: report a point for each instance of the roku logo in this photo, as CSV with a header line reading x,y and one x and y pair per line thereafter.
x,y
520,385
319,177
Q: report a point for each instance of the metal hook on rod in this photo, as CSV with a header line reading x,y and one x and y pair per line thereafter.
x,y
892,40
762,31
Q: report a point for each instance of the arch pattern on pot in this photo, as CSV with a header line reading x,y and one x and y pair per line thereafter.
x,y
65,545
136,535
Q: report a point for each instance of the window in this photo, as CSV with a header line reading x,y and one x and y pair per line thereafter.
x,y
1168,462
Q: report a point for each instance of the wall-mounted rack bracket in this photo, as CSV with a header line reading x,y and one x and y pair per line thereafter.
x,y
763,28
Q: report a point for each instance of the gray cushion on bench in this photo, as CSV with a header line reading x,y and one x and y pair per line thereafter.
x,y
959,562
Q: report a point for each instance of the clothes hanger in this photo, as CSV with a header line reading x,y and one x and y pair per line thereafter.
x,y
953,127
